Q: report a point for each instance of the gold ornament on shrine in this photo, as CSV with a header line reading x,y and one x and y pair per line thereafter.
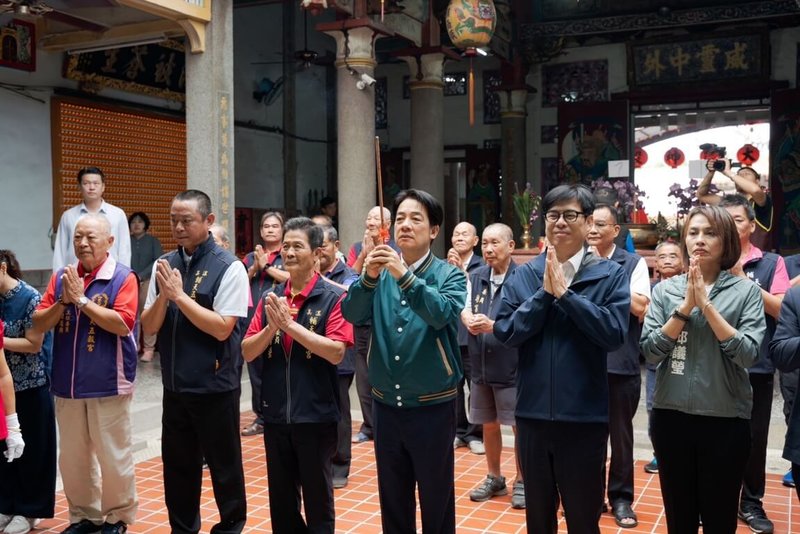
x,y
470,25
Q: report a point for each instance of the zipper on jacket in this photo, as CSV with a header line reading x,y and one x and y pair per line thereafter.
x,y
289,387
552,380
74,352
175,330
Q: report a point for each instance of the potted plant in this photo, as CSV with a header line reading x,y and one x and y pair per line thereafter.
x,y
526,206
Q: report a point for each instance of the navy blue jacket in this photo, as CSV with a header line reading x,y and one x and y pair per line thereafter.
x,y
792,265
301,387
492,362
344,275
761,271
564,343
475,262
193,361
625,360
785,353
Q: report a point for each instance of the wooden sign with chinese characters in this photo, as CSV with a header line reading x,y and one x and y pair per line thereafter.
x,y
154,69
713,60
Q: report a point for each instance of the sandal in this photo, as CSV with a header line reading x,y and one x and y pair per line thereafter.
x,y
624,516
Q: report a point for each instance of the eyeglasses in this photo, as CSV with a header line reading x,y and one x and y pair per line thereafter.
x,y
569,215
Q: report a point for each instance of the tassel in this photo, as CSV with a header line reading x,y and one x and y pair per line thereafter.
x,y
471,94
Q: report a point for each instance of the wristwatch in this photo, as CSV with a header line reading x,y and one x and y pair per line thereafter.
x,y
83,301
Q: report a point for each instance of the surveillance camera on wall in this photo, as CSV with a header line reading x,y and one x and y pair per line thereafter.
x,y
365,81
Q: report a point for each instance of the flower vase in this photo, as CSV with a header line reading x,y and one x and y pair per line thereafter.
x,y
526,236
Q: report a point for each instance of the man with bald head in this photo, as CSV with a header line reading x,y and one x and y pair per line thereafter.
x,y
355,260
461,255
92,305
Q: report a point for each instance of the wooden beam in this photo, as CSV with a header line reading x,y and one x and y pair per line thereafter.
x,y
172,9
118,35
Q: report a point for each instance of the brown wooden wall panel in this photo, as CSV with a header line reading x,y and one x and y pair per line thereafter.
x,y
143,156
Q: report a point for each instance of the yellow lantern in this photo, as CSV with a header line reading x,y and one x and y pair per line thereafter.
x,y
470,25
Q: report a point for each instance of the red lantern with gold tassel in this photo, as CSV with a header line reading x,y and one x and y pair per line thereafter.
x,y
470,25
674,157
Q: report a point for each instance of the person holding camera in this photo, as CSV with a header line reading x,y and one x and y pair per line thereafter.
x,y
746,180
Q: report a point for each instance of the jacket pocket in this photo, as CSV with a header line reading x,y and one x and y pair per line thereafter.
x,y
443,354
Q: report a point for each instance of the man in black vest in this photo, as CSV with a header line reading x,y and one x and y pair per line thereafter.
x,y
462,255
624,374
299,333
768,271
492,386
338,273
195,306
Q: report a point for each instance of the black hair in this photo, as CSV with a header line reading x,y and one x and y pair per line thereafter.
x,y
313,232
203,202
565,193
143,216
611,209
267,214
431,205
732,201
12,264
90,170
326,201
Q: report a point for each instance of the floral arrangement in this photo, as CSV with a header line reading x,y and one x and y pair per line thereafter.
x,y
686,196
628,194
526,204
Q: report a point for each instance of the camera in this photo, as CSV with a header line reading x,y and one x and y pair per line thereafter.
x,y
719,165
365,81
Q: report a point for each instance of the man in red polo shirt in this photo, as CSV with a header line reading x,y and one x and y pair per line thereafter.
x,y
300,335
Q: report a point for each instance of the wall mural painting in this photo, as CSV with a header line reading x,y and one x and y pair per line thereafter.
x,y
591,135
381,103
491,100
579,81
18,45
785,170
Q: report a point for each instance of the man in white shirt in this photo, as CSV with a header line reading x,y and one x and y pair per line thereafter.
x,y
92,184
624,373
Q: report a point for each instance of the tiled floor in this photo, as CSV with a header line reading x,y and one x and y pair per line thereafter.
x,y
357,509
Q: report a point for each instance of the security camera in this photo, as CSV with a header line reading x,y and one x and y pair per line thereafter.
x,y
365,81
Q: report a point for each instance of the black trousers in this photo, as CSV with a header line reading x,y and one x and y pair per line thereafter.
x,y
701,462
299,458
562,459
788,383
414,447
343,454
796,473
197,426
623,399
254,370
754,480
464,429
28,484
362,336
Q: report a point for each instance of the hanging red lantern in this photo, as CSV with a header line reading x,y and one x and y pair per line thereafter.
x,y
674,157
639,157
748,154
470,25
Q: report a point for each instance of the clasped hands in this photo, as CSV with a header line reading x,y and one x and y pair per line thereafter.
x,y
384,257
277,311
696,296
554,281
170,281
480,324
71,285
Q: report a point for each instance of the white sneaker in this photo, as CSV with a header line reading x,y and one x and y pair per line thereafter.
x,y
5,520
477,447
20,525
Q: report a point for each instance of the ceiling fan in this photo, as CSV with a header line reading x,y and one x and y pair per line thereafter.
x,y
305,57
38,8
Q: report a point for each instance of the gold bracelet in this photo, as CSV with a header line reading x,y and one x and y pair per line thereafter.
x,y
706,305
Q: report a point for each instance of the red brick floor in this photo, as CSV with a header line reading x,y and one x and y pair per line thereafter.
x,y
357,509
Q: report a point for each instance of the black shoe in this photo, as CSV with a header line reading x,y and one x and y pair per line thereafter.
x,y
83,527
117,528
757,520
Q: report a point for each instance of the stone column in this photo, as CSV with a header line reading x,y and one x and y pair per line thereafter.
x,y
427,138
512,127
209,116
355,110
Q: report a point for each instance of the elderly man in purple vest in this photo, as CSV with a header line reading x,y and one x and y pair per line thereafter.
x,y
92,306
